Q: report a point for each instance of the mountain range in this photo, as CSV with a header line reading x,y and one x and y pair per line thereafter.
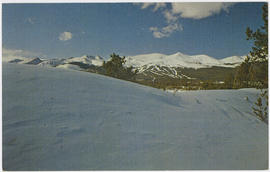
x,y
182,60
149,66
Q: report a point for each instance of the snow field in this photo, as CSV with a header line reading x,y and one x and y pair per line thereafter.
x,y
59,119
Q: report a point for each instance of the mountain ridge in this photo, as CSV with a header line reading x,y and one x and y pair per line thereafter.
x,y
153,59
149,66
182,60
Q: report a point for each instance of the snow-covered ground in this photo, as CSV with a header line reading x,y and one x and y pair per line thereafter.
x,y
60,119
69,66
90,60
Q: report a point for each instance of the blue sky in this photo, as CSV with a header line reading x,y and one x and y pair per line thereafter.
x,y
68,30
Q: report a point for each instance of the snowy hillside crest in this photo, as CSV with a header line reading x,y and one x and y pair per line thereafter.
x,y
76,121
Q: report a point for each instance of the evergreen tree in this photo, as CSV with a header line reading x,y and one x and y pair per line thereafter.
x,y
241,78
260,37
229,79
261,107
115,68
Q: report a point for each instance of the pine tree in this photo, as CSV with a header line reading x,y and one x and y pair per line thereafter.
x,y
115,68
261,107
254,70
229,79
260,37
241,78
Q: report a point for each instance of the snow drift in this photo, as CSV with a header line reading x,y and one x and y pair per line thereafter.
x,y
58,119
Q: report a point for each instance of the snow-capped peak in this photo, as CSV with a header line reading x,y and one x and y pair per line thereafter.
x,y
233,59
205,59
182,60
86,59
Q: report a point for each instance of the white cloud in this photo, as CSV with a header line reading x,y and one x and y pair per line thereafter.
x,y
192,10
65,36
159,5
165,31
9,54
146,5
30,20
199,10
156,5
170,17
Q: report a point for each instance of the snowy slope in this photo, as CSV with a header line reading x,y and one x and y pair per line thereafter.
x,y
206,60
233,59
86,59
14,59
69,66
52,62
55,119
34,61
24,60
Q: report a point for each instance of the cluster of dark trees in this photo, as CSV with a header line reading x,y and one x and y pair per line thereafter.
x,y
115,68
251,74
184,84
